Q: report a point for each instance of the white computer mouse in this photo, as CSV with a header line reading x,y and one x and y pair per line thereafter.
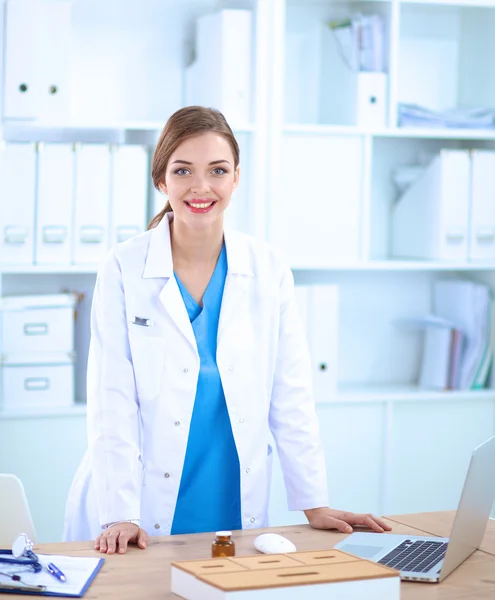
x,y
273,543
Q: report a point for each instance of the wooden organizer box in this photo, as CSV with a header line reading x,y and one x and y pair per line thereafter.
x,y
332,574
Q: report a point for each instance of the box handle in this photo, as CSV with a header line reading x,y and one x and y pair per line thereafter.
x,y
16,235
455,236
485,235
90,234
36,384
35,328
125,232
54,234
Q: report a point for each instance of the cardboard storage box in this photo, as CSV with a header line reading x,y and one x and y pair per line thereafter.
x,y
319,575
37,323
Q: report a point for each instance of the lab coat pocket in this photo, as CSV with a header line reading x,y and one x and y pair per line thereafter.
x,y
148,360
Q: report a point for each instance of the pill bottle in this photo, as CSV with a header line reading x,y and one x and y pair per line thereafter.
x,y
223,545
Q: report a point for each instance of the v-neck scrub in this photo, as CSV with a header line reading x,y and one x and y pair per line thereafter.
x,y
209,493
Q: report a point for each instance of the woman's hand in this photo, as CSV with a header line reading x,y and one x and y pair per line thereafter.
x,y
329,518
115,538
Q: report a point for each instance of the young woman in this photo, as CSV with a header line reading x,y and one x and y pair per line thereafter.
x,y
197,354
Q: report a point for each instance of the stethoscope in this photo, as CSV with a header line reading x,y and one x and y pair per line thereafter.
x,y
21,554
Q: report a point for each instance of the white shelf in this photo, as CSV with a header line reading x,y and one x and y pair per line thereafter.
x,y
396,265
395,132
461,3
47,269
76,410
404,393
145,133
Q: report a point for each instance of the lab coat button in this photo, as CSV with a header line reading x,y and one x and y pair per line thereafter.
x,y
241,420
167,475
248,470
177,423
186,370
231,368
157,525
253,520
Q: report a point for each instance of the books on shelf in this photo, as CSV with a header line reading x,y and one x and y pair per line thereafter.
x,y
459,340
321,574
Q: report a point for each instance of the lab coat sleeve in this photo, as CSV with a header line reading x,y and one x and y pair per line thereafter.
x,y
113,412
292,417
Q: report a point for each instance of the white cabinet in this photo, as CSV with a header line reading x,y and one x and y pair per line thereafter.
x,y
37,53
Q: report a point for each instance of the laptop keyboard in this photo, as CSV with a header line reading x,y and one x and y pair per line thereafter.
x,y
418,556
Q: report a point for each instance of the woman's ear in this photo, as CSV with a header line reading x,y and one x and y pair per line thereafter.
x,y
162,187
237,174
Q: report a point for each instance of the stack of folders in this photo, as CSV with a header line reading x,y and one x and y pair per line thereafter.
x,y
65,204
446,209
413,115
223,39
459,339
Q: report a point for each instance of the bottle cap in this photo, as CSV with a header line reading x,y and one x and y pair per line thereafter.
x,y
224,533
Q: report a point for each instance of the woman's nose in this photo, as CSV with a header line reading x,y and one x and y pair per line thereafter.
x,y
200,186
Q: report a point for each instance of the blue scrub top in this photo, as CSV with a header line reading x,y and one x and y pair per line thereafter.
x,y
209,494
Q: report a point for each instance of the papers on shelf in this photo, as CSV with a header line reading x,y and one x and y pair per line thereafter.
x,y
413,115
360,40
459,339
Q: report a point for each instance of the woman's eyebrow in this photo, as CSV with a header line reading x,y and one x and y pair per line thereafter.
x,y
213,162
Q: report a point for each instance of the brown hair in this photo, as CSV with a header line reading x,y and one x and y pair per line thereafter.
x,y
185,123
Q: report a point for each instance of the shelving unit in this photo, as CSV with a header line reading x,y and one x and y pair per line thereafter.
x,y
317,185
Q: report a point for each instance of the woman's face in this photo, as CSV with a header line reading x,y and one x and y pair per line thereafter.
x,y
200,179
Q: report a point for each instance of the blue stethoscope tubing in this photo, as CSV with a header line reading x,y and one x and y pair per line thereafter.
x,y
31,560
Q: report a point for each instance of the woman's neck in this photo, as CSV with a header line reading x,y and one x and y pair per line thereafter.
x,y
196,246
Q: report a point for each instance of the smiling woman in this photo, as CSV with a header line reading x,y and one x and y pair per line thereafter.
x,y
197,353
198,130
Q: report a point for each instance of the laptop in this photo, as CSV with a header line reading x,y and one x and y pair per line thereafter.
x,y
431,559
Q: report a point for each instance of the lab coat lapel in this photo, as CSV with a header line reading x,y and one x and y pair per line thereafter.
x,y
159,264
239,277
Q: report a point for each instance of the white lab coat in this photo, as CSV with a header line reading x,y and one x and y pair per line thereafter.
x,y
142,385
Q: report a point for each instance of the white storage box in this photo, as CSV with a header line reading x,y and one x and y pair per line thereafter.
x,y
37,384
36,324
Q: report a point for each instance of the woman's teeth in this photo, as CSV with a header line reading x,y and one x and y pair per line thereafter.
x,y
200,205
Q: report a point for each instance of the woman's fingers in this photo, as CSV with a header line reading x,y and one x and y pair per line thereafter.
x,y
142,539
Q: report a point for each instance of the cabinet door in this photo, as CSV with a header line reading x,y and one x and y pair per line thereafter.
x,y
315,216
37,51
431,446
353,439
56,444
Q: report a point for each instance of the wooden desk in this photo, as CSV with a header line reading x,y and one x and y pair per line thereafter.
x,y
146,573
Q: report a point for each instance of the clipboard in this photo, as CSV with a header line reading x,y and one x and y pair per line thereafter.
x,y
80,572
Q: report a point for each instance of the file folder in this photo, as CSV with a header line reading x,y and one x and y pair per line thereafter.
x,y
220,75
37,51
482,228
318,307
92,201
17,203
55,204
430,219
129,192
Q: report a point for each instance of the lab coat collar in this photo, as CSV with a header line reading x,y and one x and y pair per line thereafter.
x,y
159,260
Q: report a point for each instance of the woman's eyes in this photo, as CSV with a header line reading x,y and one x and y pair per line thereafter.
x,y
217,171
